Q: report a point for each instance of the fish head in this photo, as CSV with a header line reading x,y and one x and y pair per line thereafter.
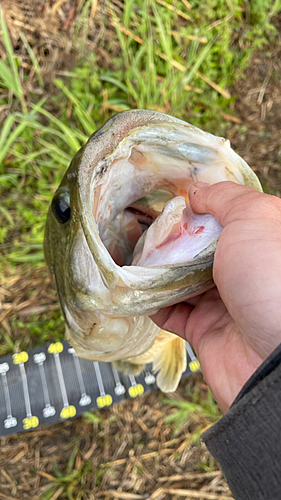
x,y
65,249
121,240
81,268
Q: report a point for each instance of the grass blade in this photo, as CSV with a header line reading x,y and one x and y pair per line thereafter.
x,y
33,60
8,78
6,129
7,215
164,35
127,12
114,81
12,61
70,136
85,118
200,58
12,137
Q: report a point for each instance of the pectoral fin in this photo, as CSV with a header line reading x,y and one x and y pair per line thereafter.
x,y
170,363
168,355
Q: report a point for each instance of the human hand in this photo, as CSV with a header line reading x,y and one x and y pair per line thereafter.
x,y
237,324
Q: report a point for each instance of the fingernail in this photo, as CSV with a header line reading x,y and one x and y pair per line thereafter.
x,y
201,184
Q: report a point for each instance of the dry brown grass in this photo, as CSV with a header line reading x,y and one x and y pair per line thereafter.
x,y
129,453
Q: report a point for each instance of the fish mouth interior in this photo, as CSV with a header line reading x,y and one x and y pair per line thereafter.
x,y
138,189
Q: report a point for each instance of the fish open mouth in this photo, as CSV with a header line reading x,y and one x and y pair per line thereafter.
x,y
143,236
140,194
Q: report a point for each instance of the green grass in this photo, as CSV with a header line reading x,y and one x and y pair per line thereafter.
x,y
203,410
158,59
71,485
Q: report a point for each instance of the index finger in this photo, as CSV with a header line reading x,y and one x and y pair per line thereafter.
x,y
229,202
173,318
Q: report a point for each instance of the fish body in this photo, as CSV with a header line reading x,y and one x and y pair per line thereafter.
x,y
121,240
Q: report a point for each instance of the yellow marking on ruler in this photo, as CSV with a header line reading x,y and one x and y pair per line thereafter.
x,y
30,422
68,412
136,390
194,366
55,347
103,401
20,357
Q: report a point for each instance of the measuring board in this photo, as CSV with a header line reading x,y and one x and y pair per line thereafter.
x,y
51,383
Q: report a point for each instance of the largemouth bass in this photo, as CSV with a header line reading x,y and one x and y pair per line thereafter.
x,y
121,239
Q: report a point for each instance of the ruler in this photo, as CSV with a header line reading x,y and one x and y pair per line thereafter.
x,y
50,384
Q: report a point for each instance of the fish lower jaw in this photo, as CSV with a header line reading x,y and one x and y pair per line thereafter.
x,y
102,345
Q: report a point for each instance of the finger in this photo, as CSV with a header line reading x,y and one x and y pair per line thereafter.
x,y
173,318
229,202
193,300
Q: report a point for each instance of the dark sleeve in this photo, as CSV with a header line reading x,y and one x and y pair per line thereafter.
x,y
247,440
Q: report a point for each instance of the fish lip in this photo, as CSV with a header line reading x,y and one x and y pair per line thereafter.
x,y
104,261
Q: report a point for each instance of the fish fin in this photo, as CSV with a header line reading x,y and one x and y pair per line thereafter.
x,y
170,363
128,368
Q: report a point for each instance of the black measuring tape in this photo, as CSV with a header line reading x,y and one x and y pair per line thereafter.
x,y
51,383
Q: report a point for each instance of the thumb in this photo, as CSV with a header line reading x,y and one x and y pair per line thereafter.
x,y
229,202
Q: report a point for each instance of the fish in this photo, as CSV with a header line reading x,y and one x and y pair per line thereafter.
x,y
121,240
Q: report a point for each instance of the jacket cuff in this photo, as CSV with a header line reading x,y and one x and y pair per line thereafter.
x,y
246,441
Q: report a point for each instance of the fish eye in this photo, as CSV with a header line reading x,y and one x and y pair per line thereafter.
x,y
61,207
